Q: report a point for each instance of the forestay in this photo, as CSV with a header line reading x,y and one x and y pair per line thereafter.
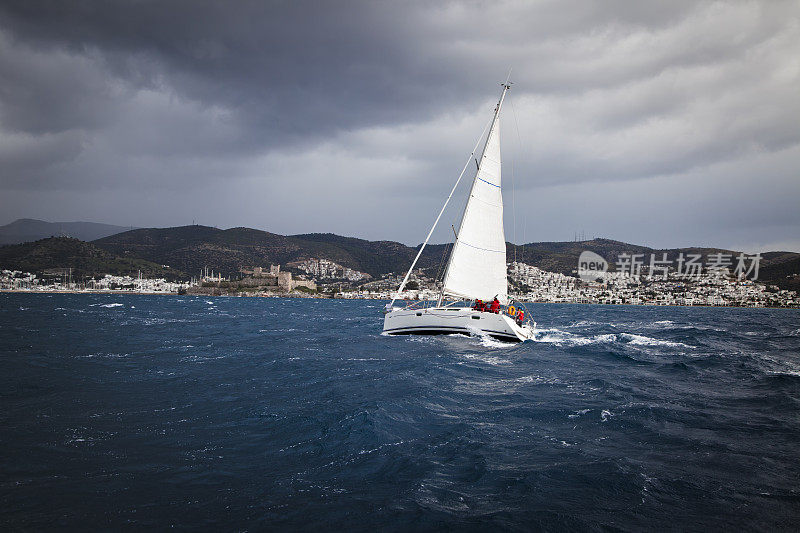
x,y
477,266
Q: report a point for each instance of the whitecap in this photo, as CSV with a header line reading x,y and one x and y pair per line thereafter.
x,y
561,338
488,359
565,338
538,380
584,323
579,412
641,340
388,444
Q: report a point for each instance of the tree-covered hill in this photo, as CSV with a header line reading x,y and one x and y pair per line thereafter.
x,y
85,259
188,249
191,248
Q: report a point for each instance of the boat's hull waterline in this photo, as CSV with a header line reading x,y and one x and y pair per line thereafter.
x,y
450,320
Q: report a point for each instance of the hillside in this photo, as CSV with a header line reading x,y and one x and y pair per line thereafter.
x,y
187,249
563,256
379,257
783,270
778,268
190,248
85,259
29,230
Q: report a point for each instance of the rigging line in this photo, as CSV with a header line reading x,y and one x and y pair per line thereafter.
x,y
421,248
480,140
513,194
513,191
441,263
519,140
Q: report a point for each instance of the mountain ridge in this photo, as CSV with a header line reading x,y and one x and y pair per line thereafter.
x,y
30,229
188,249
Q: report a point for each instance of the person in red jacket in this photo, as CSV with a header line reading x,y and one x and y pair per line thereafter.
x,y
520,317
478,305
495,306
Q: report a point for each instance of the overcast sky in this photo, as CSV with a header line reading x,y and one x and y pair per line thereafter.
x,y
659,123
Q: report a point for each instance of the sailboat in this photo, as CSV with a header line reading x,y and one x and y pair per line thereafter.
x,y
476,269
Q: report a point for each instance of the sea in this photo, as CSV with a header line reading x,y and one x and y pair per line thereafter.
x,y
253,414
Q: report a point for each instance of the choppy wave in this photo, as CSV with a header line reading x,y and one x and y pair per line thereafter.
x,y
565,338
248,413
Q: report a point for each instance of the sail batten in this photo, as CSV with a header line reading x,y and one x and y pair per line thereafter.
x,y
477,265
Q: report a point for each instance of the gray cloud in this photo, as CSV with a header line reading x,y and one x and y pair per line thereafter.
x,y
251,113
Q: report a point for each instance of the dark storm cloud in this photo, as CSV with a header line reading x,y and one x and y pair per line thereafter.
x,y
257,111
287,70
290,70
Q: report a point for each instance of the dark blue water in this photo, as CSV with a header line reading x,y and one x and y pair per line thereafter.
x,y
253,414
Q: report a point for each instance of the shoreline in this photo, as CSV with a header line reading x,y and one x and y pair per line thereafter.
x,y
298,296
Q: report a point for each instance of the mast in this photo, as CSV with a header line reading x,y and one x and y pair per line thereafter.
x,y
480,238
414,263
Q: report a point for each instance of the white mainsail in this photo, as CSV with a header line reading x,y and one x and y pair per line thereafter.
x,y
477,266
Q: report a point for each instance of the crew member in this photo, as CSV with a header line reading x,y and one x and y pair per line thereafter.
x,y
478,305
520,317
495,306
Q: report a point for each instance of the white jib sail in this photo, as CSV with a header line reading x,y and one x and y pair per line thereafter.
x,y
477,266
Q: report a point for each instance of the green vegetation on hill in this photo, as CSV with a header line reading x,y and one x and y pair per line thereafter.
x,y
563,256
377,257
85,259
782,269
777,268
191,248
188,249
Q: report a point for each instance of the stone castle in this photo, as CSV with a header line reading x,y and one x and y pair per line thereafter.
x,y
272,280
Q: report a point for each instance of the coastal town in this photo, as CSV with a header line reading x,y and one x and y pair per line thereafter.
x,y
324,278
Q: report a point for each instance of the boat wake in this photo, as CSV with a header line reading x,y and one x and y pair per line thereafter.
x,y
565,338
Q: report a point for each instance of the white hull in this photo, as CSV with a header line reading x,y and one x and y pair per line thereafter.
x,y
448,320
